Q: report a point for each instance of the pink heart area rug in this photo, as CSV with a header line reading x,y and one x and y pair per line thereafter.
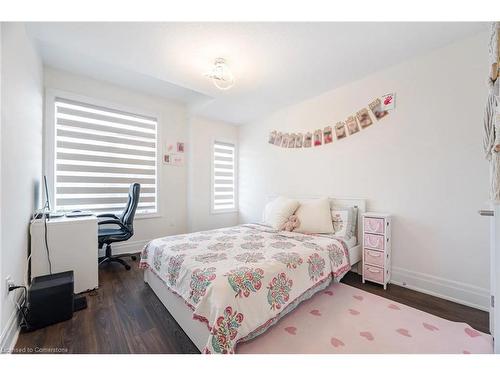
x,y
346,320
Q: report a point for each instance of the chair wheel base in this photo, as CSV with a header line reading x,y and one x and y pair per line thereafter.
x,y
109,259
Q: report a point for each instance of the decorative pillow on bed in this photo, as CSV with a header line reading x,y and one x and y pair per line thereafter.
x,y
277,212
314,216
292,223
344,221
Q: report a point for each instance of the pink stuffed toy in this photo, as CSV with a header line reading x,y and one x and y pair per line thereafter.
x,y
292,223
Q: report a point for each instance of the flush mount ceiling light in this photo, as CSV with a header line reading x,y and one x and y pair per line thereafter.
x,y
221,75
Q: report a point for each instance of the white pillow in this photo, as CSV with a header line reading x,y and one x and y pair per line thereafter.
x,y
344,221
314,216
277,212
340,219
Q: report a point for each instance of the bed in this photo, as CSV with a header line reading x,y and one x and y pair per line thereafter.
x,y
229,285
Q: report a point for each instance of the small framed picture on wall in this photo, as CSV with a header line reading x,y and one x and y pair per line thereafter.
x,y
352,125
376,108
388,101
299,140
308,140
340,130
327,135
177,160
272,137
318,137
284,140
364,118
278,139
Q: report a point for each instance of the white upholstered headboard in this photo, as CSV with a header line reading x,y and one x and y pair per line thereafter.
x,y
337,202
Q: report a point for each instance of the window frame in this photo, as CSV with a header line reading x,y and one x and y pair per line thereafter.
x,y
49,137
213,211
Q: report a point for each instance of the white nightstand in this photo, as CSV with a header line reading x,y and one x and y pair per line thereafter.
x,y
377,247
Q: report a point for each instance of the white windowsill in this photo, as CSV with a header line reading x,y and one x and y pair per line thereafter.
x,y
148,216
220,212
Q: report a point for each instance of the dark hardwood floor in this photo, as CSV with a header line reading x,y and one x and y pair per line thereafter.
x,y
125,316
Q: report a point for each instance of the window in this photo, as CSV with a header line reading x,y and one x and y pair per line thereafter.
x,y
99,152
223,177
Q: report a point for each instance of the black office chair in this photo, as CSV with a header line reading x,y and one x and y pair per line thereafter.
x,y
125,223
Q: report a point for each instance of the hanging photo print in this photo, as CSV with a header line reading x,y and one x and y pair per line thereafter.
x,y
272,137
308,140
318,135
167,159
299,139
352,125
379,108
278,139
177,160
284,140
364,118
376,108
388,101
327,135
340,130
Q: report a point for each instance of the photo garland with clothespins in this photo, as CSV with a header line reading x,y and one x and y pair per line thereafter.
x,y
379,109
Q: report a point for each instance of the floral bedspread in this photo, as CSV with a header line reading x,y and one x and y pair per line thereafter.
x,y
241,280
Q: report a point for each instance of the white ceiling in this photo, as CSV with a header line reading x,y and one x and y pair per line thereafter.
x,y
274,64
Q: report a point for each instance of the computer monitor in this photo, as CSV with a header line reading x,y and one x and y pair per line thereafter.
x,y
47,197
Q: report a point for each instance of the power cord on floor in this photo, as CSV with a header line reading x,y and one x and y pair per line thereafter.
x,y
47,243
22,308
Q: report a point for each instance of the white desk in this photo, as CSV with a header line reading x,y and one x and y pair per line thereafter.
x,y
72,246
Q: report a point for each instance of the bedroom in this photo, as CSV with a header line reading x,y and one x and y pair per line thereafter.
x,y
249,187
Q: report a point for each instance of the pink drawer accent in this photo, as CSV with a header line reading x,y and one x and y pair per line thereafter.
x,y
373,273
374,241
374,225
375,258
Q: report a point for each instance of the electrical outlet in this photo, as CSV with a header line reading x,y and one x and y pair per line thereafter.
x,y
9,282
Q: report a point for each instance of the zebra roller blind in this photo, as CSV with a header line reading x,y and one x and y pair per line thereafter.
x,y
224,179
99,152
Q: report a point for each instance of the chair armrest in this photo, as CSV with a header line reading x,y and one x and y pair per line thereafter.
x,y
115,222
108,215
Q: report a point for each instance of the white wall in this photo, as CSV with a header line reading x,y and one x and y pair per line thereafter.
x,y
424,164
172,121
21,154
1,248
202,133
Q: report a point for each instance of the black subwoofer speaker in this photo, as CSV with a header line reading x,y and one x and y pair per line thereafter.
x,y
50,300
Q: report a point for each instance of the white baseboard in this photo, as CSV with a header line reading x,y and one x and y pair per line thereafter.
x,y
128,247
10,333
451,290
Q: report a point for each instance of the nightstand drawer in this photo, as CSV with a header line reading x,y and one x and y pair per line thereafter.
x,y
373,273
373,225
374,241
375,258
